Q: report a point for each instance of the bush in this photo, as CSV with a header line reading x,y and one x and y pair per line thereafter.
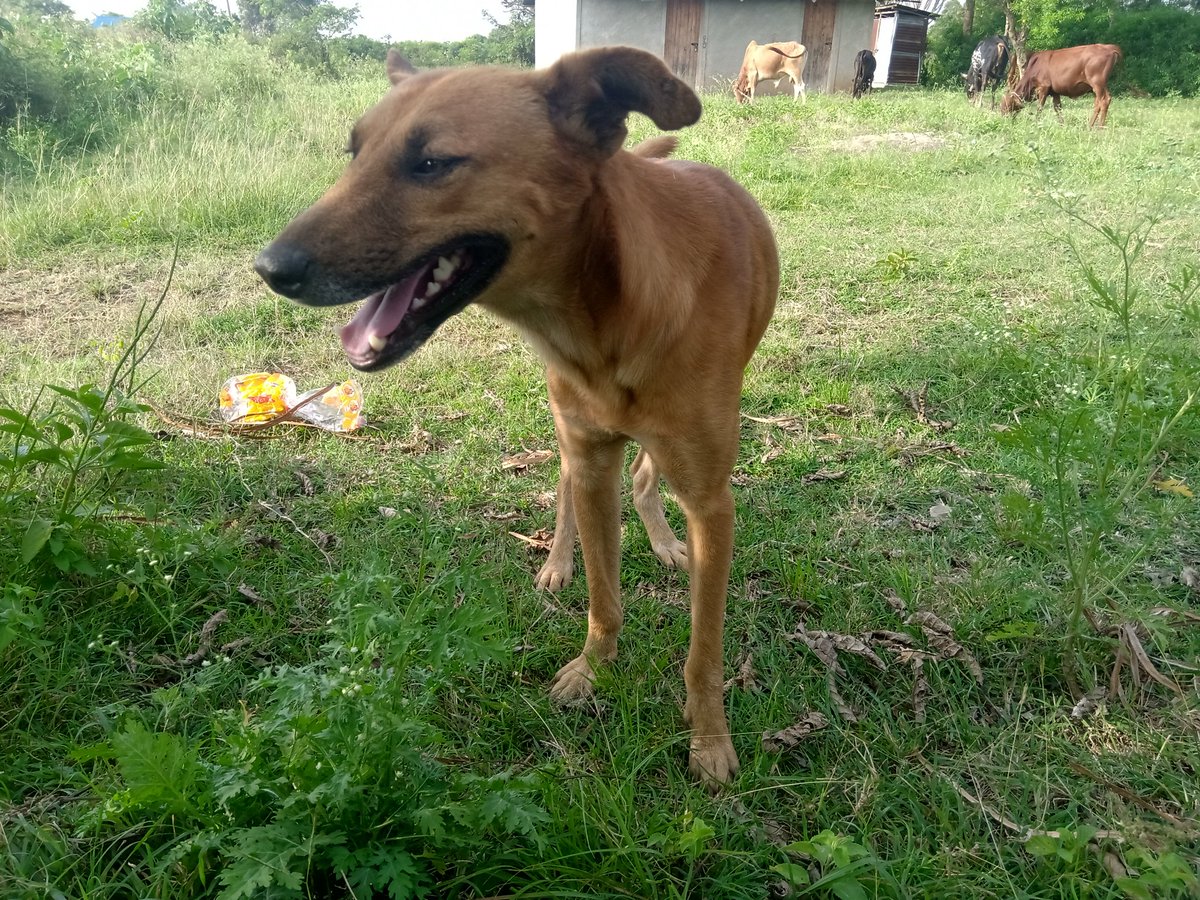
x,y
1160,43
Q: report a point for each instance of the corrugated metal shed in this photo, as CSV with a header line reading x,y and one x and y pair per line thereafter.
x,y
901,31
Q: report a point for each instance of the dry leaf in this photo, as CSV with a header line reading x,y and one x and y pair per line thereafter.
x,y
419,441
452,416
1173,486
795,424
829,437
497,516
820,645
920,691
388,512
891,640
745,678
539,540
1137,653
839,702
941,638
306,485
794,734
824,475
896,602
848,643
522,462
1089,703
1191,577
919,404
205,639
939,513
252,595
838,409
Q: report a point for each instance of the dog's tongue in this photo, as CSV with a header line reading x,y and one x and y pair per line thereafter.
x,y
381,314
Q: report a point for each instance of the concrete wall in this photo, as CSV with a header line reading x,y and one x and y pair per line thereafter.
x,y
555,31
634,23
851,33
729,25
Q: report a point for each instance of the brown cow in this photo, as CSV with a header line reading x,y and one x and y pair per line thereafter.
x,y
1070,72
771,62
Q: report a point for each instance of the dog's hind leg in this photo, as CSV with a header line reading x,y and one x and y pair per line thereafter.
x,y
699,470
596,461
648,502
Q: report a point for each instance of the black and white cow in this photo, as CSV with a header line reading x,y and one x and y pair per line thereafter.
x,y
864,72
989,62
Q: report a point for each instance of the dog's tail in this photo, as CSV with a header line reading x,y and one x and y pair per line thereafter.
x,y
659,147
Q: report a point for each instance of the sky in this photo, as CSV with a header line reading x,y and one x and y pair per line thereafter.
x,y
401,20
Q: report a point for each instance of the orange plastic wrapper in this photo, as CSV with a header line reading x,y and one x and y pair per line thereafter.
x,y
262,396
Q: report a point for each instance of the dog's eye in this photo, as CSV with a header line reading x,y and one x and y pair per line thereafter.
x,y
435,166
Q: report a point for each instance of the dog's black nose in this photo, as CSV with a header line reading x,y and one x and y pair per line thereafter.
x,y
284,266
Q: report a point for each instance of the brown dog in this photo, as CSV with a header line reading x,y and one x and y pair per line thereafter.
x,y
645,286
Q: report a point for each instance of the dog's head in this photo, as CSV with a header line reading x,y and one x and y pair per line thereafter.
x,y
459,182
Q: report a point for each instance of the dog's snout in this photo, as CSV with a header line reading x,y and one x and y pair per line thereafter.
x,y
285,267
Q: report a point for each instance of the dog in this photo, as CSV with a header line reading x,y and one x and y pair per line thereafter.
x,y
644,285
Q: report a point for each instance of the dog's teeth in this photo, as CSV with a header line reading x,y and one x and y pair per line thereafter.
x,y
377,343
418,302
432,290
445,268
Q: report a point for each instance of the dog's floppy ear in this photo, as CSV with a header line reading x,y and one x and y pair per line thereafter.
x,y
398,68
590,93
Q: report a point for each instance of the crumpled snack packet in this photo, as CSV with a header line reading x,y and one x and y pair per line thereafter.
x,y
261,397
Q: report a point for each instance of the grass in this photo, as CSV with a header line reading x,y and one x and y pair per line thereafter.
x,y
941,273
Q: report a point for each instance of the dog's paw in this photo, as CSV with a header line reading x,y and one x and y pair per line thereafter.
x,y
554,575
673,553
574,683
713,761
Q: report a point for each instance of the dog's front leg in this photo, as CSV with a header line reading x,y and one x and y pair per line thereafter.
x,y
559,567
595,464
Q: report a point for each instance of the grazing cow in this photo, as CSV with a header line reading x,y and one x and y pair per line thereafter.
x,y
864,72
770,62
1070,72
989,60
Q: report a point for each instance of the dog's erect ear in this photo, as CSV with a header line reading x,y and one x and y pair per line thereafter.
x,y
590,93
398,68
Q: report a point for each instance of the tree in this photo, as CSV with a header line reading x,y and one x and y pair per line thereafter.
x,y
298,30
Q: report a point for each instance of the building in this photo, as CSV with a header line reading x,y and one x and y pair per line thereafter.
x,y
898,39
703,41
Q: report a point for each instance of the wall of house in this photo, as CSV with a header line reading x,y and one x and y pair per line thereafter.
x,y
851,33
729,25
634,23
555,31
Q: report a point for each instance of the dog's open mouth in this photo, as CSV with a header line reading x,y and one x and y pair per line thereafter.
x,y
396,320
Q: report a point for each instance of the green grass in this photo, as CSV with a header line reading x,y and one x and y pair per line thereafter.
x,y
944,267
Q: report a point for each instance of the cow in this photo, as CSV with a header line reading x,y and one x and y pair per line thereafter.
x,y
989,60
1070,72
864,72
770,62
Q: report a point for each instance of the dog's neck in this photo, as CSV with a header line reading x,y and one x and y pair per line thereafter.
x,y
610,265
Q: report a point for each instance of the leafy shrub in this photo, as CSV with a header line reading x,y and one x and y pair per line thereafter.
x,y
1160,41
336,776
